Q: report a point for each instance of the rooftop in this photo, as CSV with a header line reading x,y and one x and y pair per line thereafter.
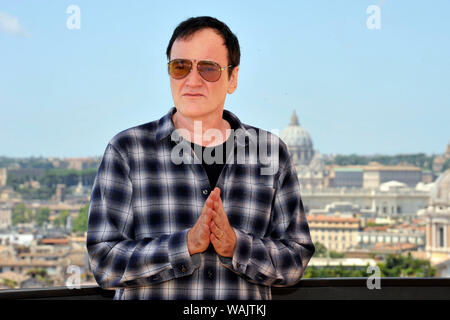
x,y
323,218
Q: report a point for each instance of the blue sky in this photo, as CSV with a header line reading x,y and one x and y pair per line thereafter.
x,y
65,93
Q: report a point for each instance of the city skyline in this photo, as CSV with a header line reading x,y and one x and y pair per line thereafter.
x,y
99,156
66,92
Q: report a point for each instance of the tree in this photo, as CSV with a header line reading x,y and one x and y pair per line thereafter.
x,y
335,272
80,224
42,216
21,214
321,250
40,274
420,160
406,266
393,266
61,219
335,254
446,165
9,283
37,272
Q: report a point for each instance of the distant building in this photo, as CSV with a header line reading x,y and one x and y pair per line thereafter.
x,y
309,163
33,282
375,175
75,163
437,215
79,194
341,208
60,192
394,248
371,236
372,176
443,269
390,202
347,178
447,152
438,164
299,142
3,177
8,194
16,278
334,232
25,239
344,262
23,266
5,216
55,241
427,176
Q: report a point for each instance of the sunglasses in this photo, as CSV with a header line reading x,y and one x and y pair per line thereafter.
x,y
208,70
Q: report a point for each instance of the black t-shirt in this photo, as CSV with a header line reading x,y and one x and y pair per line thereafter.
x,y
214,169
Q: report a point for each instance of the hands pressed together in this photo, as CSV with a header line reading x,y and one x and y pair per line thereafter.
x,y
212,226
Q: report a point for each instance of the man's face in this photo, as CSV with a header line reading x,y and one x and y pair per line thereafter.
x,y
205,44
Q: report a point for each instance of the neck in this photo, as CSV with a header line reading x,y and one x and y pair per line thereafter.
x,y
209,130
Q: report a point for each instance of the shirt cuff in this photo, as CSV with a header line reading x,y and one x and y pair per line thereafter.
x,y
183,264
242,252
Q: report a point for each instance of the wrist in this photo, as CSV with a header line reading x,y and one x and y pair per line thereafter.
x,y
192,247
189,243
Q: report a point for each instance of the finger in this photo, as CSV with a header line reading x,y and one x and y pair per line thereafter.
x,y
218,220
218,205
214,240
214,229
208,216
206,229
215,194
209,203
220,217
205,209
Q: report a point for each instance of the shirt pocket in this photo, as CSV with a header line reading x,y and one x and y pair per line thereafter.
x,y
249,208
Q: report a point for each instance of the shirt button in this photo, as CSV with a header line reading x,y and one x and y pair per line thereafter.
x,y
210,274
205,191
183,269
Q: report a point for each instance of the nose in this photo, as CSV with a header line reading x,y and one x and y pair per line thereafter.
x,y
194,79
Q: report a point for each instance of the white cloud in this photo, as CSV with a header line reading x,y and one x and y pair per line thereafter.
x,y
11,25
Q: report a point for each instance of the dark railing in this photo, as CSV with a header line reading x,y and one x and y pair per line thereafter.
x,y
306,289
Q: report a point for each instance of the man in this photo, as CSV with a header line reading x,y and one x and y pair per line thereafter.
x,y
164,224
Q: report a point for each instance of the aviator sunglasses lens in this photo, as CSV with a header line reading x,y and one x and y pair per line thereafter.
x,y
209,71
179,68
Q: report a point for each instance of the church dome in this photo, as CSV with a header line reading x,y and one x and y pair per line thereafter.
x,y
295,135
440,194
298,141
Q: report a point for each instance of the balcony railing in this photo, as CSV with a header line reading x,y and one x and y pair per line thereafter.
x,y
306,289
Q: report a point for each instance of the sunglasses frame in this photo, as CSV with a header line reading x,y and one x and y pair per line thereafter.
x,y
196,62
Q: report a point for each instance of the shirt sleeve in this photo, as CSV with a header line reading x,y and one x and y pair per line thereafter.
x,y
116,258
279,258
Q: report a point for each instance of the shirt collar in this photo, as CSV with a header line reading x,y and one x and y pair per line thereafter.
x,y
166,127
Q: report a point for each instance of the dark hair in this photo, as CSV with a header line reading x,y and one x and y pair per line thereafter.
x,y
188,27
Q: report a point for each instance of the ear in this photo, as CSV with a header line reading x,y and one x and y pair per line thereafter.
x,y
232,83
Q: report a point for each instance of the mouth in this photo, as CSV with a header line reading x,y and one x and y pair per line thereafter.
x,y
192,95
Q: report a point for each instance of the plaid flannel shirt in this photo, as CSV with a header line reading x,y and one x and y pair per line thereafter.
x,y
143,204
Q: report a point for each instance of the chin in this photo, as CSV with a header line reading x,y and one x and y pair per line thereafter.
x,y
193,110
